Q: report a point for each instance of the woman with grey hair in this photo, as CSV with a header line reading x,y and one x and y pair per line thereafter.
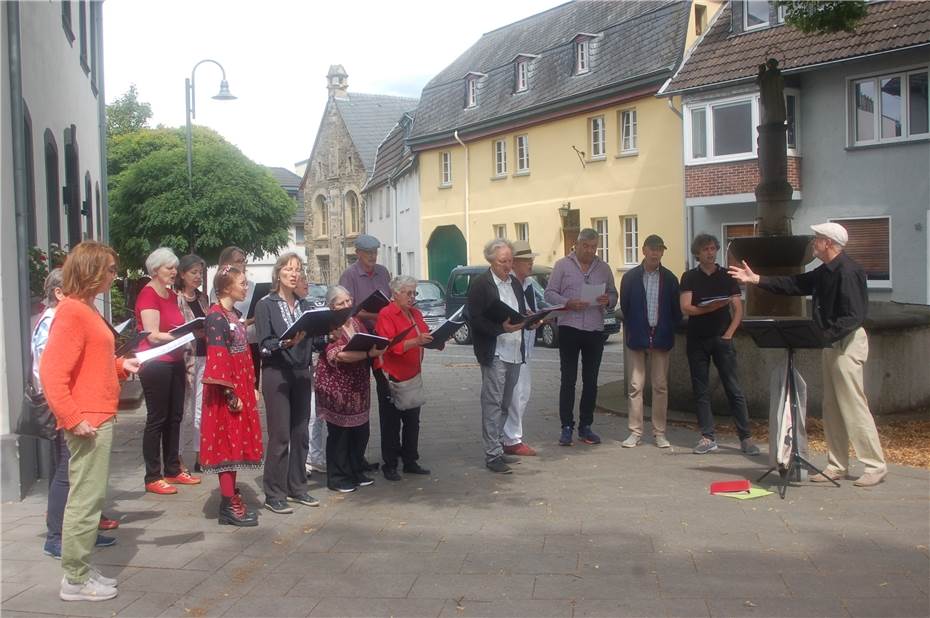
x,y
164,379
401,362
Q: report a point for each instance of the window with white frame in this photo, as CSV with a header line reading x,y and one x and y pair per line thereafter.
x,y
523,154
500,230
522,76
598,139
722,130
582,56
628,144
755,14
471,92
630,241
500,157
600,225
889,108
445,169
870,246
522,231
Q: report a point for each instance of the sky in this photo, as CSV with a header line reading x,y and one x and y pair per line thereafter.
x,y
276,54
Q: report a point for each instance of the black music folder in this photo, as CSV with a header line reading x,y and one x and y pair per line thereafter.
x,y
318,322
374,303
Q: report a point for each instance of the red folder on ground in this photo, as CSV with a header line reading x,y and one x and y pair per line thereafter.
x,y
725,487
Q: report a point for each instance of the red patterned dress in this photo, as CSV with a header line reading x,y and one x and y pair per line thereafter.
x,y
228,440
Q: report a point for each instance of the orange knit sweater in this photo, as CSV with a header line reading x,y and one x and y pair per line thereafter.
x,y
79,374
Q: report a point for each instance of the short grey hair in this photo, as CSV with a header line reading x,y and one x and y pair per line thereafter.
x,y
588,234
52,281
399,282
491,247
163,256
332,292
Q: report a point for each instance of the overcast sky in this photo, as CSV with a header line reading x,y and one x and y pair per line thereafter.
x,y
276,54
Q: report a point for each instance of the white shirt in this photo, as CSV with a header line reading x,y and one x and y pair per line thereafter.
x,y
508,344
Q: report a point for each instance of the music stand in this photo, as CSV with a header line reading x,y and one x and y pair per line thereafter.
x,y
790,335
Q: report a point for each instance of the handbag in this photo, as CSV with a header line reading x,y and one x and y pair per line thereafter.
x,y
36,419
407,394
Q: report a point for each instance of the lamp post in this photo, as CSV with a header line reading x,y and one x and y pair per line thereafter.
x,y
222,95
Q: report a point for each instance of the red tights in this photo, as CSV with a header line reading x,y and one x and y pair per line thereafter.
x,y
228,484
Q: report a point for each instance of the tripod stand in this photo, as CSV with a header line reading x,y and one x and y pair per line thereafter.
x,y
789,335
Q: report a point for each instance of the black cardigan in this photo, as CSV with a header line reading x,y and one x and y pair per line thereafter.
x,y
481,294
269,325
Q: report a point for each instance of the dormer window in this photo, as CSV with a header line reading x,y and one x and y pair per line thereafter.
x,y
755,14
521,76
471,89
583,53
521,72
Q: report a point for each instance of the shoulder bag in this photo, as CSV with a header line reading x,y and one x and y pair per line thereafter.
x,y
408,394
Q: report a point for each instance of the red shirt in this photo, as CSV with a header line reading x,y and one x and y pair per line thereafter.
x,y
169,315
396,363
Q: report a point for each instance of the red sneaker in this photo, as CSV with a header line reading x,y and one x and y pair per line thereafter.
x,y
107,524
160,487
522,449
184,478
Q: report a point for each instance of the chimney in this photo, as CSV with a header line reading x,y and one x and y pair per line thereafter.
x,y
336,82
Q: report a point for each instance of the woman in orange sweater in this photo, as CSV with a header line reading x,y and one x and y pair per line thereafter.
x,y
81,377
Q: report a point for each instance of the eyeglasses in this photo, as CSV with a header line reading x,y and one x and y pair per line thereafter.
x,y
410,293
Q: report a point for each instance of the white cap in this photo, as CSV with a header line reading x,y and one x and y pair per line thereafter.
x,y
834,231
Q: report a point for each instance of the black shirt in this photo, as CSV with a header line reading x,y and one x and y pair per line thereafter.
x,y
200,346
839,290
703,286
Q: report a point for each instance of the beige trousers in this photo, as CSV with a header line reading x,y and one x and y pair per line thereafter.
x,y
846,415
658,373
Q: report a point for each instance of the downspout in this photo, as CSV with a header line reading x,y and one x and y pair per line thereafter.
x,y
17,114
396,210
455,134
102,129
689,233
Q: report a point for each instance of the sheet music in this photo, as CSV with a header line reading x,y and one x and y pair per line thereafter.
x,y
119,328
590,292
147,355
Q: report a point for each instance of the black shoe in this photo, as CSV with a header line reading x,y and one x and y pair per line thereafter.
x,y
415,468
370,467
197,467
344,488
510,459
498,466
390,474
233,513
279,506
304,499
364,481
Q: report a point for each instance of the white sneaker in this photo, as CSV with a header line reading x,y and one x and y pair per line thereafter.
x,y
91,590
662,441
631,441
103,579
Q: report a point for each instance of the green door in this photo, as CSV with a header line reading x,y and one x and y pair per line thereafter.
x,y
445,250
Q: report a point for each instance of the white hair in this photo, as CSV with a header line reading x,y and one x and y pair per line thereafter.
x,y
491,247
333,292
399,282
163,256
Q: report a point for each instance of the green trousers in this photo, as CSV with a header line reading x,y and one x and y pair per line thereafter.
x,y
89,471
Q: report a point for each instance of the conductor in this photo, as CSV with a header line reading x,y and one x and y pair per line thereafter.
x,y
840,303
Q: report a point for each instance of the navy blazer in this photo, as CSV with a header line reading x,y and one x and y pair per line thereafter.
x,y
636,331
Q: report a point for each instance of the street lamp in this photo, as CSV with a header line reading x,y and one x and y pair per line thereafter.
x,y
222,95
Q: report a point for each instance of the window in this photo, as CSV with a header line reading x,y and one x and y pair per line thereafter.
x,y
352,221
755,14
522,76
87,208
500,157
445,169
598,143
322,217
500,230
522,231
723,130
299,234
870,246
523,154
791,115
66,20
700,19
889,108
53,206
97,211
72,191
780,14
628,132
471,92
31,225
582,56
82,33
371,208
602,245
94,8
630,241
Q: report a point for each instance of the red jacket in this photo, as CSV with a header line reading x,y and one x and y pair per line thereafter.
x,y
396,363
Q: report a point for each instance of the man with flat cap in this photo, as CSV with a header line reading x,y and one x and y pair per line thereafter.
x,y
840,305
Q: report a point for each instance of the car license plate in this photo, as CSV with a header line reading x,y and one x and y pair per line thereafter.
x,y
610,320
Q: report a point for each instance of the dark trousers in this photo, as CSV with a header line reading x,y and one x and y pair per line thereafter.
x,y
345,454
256,363
700,354
287,409
58,487
400,429
163,385
590,345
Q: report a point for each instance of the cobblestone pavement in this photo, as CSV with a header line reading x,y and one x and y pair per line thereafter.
x,y
580,531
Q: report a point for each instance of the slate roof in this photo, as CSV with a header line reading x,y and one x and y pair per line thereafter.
x,y
393,155
290,182
369,118
637,42
722,57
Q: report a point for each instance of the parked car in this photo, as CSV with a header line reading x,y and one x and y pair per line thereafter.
x,y
457,293
317,295
431,301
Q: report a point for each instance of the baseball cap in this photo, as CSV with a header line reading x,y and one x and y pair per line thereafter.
x,y
834,231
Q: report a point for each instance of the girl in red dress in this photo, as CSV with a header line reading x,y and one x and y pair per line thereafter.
x,y
230,432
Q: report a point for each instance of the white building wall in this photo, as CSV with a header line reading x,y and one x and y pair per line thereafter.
x,y
379,221
408,223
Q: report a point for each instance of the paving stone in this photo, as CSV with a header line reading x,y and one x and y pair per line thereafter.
x,y
596,587
200,605
249,607
376,608
476,587
784,608
627,544
670,608
374,585
851,585
886,608
506,563
43,598
10,590
684,583
506,609
379,562
176,581
149,604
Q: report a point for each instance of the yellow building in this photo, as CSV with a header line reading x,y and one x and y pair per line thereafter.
x,y
539,130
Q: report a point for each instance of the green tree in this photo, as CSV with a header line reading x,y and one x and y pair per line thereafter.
x,y
234,201
127,114
824,16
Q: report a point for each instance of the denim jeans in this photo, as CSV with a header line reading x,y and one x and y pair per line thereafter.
x,y
590,345
723,354
58,487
